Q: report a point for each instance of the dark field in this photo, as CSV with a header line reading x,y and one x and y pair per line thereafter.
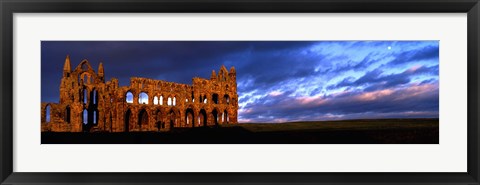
x,y
384,131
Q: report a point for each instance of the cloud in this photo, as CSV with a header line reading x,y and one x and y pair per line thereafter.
x,y
417,100
276,80
376,79
425,53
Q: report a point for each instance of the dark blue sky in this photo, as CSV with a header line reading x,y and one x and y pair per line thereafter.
x,y
277,81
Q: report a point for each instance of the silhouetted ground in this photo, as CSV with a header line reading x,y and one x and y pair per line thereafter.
x,y
385,131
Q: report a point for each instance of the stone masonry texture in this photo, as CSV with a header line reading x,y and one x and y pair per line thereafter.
x,y
89,104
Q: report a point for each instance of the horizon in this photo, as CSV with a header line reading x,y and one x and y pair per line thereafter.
x,y
278,81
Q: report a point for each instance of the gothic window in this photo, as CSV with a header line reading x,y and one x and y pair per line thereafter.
x,y
94,117
129,97
215,98
226,99
95,97
174,101
143,98
161,100
85,96
47,113
85,116
225,117
189,116
155,100
169,101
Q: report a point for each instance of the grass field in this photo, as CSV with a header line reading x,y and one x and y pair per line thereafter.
x,y
378,124
382,131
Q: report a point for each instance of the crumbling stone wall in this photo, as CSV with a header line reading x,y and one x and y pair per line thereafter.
x,y
88,103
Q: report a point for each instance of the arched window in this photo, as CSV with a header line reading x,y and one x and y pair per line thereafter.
x,y
85,116
85,96
129,97
186,100
161,100
95,97
155,100
189,116
174,101
94,117
205,101
47,113
226,99
215,98
169,101
143,98
225,117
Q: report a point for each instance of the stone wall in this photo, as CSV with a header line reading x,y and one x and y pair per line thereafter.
x,y
89,104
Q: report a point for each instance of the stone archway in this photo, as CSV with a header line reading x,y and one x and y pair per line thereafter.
x,y
202,117
142,118
189,118
215,116
128,115
159,120
225,118
172,119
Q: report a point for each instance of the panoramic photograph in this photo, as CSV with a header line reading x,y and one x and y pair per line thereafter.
x,y
239,92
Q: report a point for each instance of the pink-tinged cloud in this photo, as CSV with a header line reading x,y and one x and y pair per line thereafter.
x,y
372,96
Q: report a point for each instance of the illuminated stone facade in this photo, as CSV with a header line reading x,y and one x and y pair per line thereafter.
x,y
89,104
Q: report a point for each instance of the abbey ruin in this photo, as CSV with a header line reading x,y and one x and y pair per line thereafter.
x,y
89,104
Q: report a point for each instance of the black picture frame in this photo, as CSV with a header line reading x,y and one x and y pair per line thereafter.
x,y
9,7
